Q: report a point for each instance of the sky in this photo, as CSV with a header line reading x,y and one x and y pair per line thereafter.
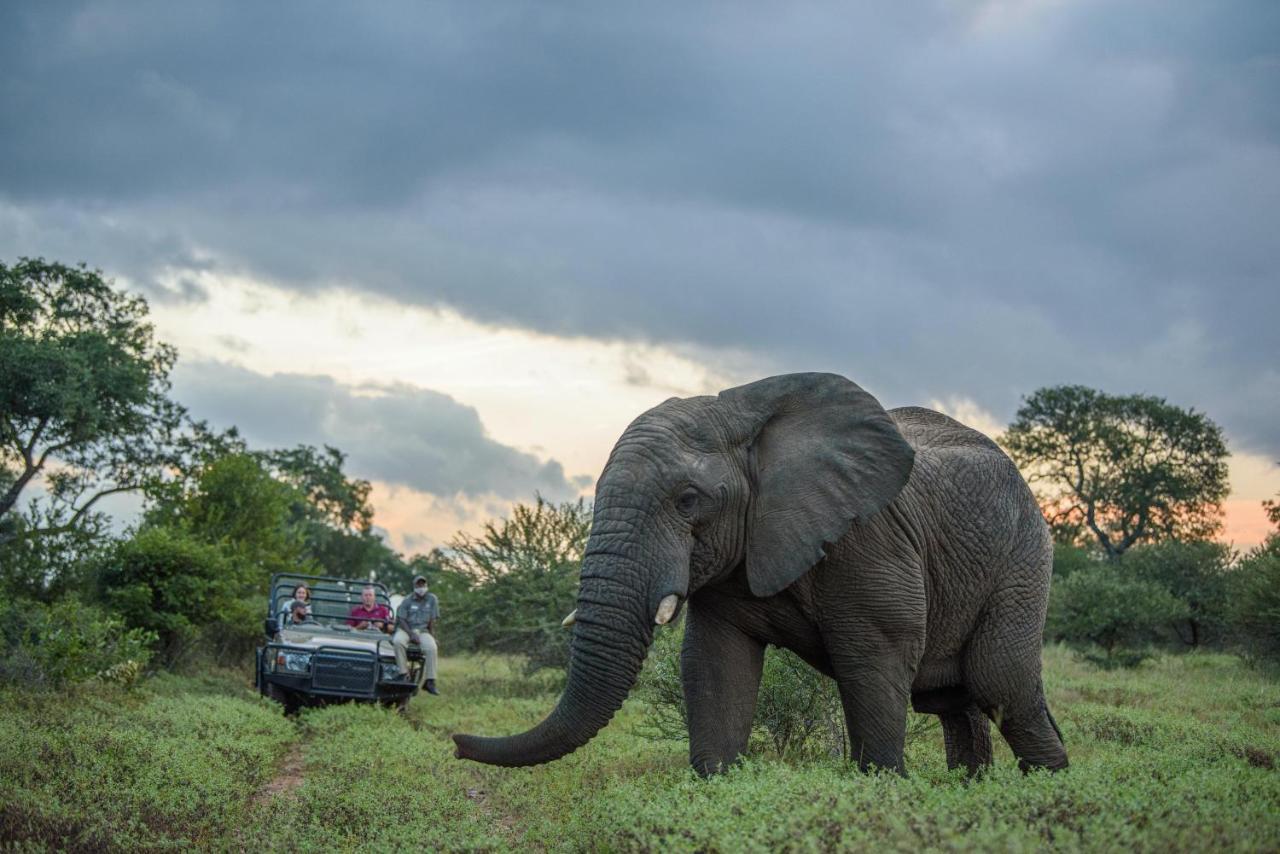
x,y
467,243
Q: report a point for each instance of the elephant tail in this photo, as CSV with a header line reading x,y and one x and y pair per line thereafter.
x,y
1048,714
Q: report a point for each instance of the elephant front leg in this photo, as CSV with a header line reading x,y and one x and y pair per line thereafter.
x,y
720,667
874,693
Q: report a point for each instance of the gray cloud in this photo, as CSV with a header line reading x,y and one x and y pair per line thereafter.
x,y
1085,194
394,433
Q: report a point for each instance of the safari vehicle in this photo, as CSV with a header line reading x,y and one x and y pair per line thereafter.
x,y
329,659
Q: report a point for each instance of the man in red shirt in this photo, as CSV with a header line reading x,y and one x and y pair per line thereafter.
x,y
370,614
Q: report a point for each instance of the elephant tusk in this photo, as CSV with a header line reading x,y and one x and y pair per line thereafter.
x,y
571,619
666,609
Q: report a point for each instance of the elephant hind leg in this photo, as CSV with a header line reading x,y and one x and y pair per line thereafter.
x,y
1002,673
967,734
1033,735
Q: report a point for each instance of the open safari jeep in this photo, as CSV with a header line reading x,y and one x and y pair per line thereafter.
x,y
327,658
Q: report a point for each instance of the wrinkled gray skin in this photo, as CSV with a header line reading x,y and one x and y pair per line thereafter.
x,y
932,589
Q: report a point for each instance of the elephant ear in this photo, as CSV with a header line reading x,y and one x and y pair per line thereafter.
x,y
824,452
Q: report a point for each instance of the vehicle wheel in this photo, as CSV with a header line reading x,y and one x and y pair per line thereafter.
x,y
291,701
400,704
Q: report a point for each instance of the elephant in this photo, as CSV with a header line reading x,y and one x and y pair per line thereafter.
x,y
899,552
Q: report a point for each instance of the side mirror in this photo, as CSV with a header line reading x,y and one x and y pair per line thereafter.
x,y
269,626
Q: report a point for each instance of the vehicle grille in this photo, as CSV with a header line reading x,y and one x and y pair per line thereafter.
x,y
335,671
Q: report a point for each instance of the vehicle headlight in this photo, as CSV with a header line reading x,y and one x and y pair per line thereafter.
x,y
390,672
296,662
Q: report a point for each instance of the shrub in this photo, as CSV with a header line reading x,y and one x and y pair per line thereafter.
x,y
1068,559
1103,607
1196,573
50,645
233,636
798,710
1253,610
521,579
165,581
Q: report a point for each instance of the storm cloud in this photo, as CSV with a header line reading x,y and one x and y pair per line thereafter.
x,y
396,434
935,199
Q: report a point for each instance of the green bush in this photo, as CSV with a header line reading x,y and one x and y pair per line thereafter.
x,y
798,710
231,638
1103,607
508,589
1067,559
165,581
1196,573
50,645
1253,611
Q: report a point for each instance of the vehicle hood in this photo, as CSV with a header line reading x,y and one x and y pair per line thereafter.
x,y
314,639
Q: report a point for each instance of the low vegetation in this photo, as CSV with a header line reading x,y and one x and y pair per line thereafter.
x,y
1180,753
1160,670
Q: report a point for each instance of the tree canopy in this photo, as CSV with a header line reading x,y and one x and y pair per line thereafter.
x,y
1121,469
83,385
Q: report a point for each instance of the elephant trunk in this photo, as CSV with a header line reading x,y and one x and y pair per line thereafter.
x,y
611,634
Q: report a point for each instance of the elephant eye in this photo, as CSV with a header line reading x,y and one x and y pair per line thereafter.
x,y
688,501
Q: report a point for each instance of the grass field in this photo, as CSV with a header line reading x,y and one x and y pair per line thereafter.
x,y
1180,755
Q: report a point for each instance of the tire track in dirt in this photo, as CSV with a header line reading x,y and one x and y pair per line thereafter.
x,y
287,779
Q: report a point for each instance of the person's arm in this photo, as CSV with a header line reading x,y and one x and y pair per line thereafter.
x,y
435,615
402,621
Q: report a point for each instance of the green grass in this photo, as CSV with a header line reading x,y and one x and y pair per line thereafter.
x,y
1180,754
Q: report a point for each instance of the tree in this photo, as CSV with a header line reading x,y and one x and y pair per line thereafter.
x,y
1194,572
1117,612
1273,511
234,503
523,574
1254,604
333,512
166,581
1126,469
84,386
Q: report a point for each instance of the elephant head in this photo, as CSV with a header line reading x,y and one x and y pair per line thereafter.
x,y
759,477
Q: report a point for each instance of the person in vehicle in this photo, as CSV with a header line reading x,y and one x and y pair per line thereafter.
x,y
416,622
301,615
370,613
301,594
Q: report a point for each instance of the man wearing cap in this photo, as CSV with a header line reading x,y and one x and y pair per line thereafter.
x,y
416,622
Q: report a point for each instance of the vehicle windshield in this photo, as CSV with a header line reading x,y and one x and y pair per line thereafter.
x,y
332,602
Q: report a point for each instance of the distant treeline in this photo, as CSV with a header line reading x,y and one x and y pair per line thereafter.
x,y
1132,487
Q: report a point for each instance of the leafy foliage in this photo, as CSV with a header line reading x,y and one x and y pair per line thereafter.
x,y
1194,572
1068,558
1124,469
235,503
332,513
1105,607
522,576
83,383
1254,602
69,641
48,567
166,581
